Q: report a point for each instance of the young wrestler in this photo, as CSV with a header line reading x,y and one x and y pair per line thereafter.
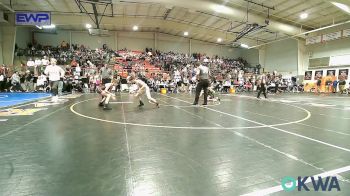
x,y
106,94
211,95
143,89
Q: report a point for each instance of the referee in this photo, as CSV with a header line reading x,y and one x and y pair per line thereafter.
x,y
262,85
203,84
106,74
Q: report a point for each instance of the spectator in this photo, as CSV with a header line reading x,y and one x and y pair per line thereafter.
x,y
64,45
2,81
37,62
28,81
22,79
41,82
74,62
55,74
45,61
30,62
35,77
15,82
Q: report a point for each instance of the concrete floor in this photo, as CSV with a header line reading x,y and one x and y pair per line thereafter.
x,y
237,147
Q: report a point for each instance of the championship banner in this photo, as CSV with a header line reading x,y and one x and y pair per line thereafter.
x,y
331,36
313,40
346,33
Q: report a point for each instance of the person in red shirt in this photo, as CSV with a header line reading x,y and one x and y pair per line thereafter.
x,y
74,63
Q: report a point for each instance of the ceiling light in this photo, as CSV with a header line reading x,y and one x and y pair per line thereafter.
x,y
135,28
304,15
88,26
185,33
222,9
52,26
244,46
39,27
219,40
342,6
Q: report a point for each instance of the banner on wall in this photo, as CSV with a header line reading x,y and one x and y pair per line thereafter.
x,y
313,40
318,74
328,37
331,72
339,60
346,33
308,75
330,77
331,36
33,18
343,73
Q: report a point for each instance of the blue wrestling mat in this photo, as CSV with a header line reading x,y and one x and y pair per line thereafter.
x,y
10,99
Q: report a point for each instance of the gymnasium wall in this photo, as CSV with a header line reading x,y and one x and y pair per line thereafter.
x,y
7,39
282,56
132,41
173,43
251,56
23,36
214,49
83,38
52,39
330,48
327,49
1,53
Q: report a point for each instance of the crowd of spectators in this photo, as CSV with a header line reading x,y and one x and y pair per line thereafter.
x,y
86,68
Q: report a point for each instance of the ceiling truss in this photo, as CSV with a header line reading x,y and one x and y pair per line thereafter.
x,y
95,4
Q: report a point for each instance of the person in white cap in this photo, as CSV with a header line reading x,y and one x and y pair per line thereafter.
x,y
55,74
143,89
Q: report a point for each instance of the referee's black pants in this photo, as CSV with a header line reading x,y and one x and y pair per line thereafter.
x,y
262,90
202,85
106,80
2,86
